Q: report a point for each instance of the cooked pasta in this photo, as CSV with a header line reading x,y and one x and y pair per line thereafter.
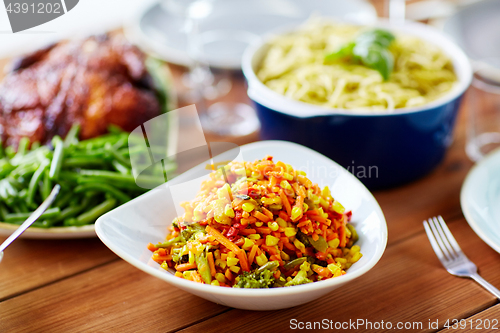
x,y
295,66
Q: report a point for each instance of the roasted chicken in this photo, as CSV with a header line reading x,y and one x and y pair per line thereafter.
x,y
96,82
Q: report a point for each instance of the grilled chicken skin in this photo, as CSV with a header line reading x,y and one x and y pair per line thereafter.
x,y
96,82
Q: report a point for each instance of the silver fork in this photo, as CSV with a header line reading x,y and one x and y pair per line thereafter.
x,y
451,255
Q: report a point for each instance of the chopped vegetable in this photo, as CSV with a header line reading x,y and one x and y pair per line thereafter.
x,y
285,232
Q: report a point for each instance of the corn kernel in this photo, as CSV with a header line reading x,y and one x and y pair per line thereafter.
x,y
248,207
248,244
271,240
259,224
220,277
235,269
284,256
164,265
296,213
336,271
187,275
217,254
334,243
221,263
229,211
261,260
336,206
299,245
302,173
215,283
273,226
341,260
281,222
356,257
305,207
232,261
355,249
179,274
287,176
290,232
254,236
286,185
231,254
223,256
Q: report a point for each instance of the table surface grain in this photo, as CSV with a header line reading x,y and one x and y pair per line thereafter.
x,y
80,285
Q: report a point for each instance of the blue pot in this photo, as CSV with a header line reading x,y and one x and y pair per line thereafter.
x,y
381,149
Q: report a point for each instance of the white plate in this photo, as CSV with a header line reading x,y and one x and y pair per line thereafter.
x,y
86,231
480,199
233,24
128,229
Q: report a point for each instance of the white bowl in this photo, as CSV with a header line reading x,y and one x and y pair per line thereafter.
x,y
128,229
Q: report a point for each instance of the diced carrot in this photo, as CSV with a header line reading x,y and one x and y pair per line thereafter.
x,y
251,256
269,249
211,263
318,218
322,271
304,181
315,236
185,267
290,246
222,239
196,277
151,247
286,203
248,220
161,258
239,242
264,230
277,274
284,239
261,216
268,213
342,236
276,234
229,275
284,215
243,261
273,181
259,242
248,231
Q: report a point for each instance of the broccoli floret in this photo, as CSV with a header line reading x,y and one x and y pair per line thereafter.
x,y
301,277
260,278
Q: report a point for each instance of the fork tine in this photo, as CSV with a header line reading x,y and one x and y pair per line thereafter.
x,y
445,236
435,232
450,237
433,242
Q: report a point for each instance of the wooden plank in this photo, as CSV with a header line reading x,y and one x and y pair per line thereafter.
x,y
487,321
115,297
29,264
408,285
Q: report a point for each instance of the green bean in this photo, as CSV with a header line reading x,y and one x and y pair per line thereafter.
x,y
72,136
78,162
23,146
70,211
35,145
103,188
203,268
16,217
91,215
116,155
57,160
3,211
121,168
34,182
99,152
270,265
10,152
295,262
46,185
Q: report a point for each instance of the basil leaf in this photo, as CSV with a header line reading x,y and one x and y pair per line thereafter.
x,y
376,57
370,49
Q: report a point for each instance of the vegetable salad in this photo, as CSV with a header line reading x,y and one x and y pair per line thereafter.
x,y
259,225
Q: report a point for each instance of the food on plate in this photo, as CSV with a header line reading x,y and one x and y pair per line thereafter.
x,y
353,67
95,82
259,225
94,174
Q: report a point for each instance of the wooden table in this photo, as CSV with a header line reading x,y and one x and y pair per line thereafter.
x,y
80,285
